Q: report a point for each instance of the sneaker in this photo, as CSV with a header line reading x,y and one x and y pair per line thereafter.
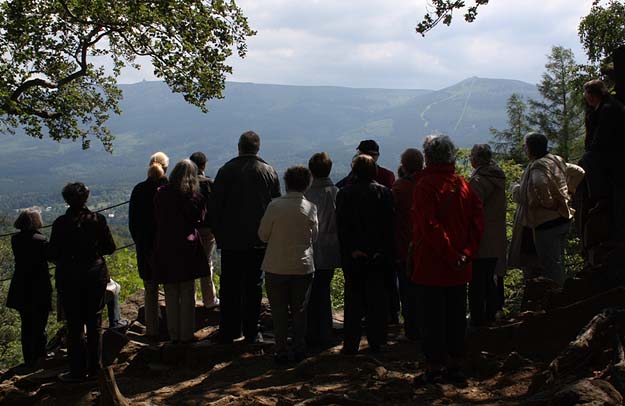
x,y
281,359
67,377
120,325
213,305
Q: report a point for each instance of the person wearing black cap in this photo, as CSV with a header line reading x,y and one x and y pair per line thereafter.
x,y
383,176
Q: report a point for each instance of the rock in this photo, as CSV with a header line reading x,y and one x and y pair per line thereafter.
x,y
587,392
538,293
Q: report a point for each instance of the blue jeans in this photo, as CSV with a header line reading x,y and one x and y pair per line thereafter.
x,y
550,244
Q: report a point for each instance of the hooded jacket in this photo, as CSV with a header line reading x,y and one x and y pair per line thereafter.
x,y
489,182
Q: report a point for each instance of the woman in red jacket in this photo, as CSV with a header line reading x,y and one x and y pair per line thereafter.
x,y
447,227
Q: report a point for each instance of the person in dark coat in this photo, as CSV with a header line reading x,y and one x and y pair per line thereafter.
x,y
142,225
209,295
605,141
30,292
385,178
78,242
178,257
403,193
243,188
364,213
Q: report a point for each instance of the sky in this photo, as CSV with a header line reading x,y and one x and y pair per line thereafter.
x,y
373,44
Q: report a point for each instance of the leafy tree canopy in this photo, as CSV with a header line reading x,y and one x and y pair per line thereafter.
x,y
49,76
443,10
603,30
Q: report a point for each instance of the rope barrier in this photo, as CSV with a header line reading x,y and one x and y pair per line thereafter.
x,y
54,267
50,225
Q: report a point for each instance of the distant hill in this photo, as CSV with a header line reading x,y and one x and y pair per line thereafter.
x,y
293,121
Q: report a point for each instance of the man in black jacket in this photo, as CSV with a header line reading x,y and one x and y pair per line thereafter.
x,y
243,188
605,141
364,213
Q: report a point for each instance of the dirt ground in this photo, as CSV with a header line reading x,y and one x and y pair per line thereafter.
x,y
207,373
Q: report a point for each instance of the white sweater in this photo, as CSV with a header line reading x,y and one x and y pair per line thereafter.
x,y
289,227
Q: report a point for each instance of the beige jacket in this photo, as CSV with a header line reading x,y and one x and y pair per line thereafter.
x,y
543,195
489,182
289,227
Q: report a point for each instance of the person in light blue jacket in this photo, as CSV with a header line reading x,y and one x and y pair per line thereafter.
x,y
327,254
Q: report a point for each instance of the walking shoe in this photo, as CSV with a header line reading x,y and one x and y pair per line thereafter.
x,y
349,351
257,339
456,377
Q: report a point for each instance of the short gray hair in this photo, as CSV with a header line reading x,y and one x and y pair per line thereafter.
x,y
482,154
439,149
184,177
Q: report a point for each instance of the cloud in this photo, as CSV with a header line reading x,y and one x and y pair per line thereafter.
x,y
372,43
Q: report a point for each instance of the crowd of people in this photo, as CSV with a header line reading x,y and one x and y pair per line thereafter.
x,y
408,246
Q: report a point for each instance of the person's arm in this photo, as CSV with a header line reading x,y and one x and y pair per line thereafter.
x,y
217,202
482,187
275,185
266,224
315,222
476,227
133,215
106,244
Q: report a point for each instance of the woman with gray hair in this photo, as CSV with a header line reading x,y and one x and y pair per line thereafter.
x,y
447,227
30,292
179,258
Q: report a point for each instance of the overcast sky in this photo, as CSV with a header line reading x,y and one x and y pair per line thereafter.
x,y
372,43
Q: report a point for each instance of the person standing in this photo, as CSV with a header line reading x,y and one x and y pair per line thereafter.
x,y
364,213
178,257
489,182
447,227
78,241
403,193
30,292
209,296
385,178
142,225
543,217
243,188
289,227
326,252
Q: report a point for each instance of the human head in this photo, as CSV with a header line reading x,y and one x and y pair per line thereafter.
x,y
160,159
320,165
364,168
297,178
27,220
439,149
411,161
481,155
249,143
536,145
184,178
75,194
369,147
199,159
594,92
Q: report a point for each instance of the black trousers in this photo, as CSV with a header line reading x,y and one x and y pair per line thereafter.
x,y
320,308
483,292
501,297
444,322
392,286
240,293
82,302
34,321
365,296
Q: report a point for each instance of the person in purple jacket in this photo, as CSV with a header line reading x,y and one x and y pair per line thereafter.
x,y
178,257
